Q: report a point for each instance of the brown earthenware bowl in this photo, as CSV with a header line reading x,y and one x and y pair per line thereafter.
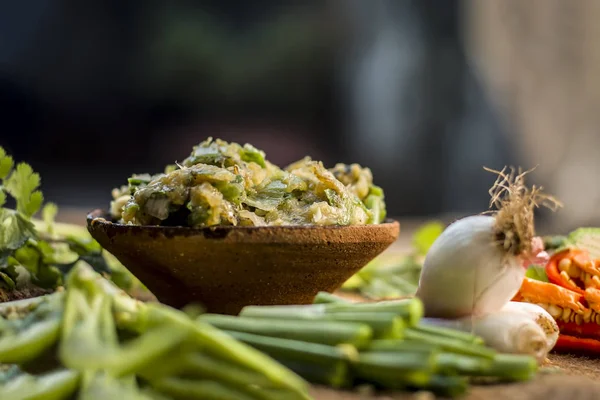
x,y
225,268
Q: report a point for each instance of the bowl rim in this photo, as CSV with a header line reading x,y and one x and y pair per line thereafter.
x,y
99,216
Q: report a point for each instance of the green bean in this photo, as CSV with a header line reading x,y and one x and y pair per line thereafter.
x,y
458,364
447,386
510,367
325,332
448,332
30,343
204,366
393,345
297,350
335,374
385,325
100,386
411,310
173,363
395,370
326,297
56,385
186,389
450,344
141,317
103,349
221,344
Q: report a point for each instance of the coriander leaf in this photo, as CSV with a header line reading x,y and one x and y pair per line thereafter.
x,y
29,257
426,235
97,262
57,253
48,277
6,281
22,185
20,275
6,163
35,203
48,215
4,254
554,242
588,239
83,245
537,272
89,251
35,258
14,230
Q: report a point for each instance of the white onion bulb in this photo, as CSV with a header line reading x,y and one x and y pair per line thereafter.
x,y
518,328
540,316
467,273
512,332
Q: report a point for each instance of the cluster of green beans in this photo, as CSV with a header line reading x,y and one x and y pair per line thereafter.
x,y
92,341
343,344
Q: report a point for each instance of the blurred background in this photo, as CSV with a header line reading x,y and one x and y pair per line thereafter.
x,y
424,92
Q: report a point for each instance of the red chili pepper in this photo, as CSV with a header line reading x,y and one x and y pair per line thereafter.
x,y
585,330
554,274
573,344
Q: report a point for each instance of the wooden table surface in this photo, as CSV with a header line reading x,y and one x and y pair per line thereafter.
x,y
575,377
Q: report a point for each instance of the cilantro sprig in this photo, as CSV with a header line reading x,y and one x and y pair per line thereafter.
x,y
29,257
20,183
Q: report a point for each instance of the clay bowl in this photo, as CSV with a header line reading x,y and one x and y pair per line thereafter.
x,y
226,268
